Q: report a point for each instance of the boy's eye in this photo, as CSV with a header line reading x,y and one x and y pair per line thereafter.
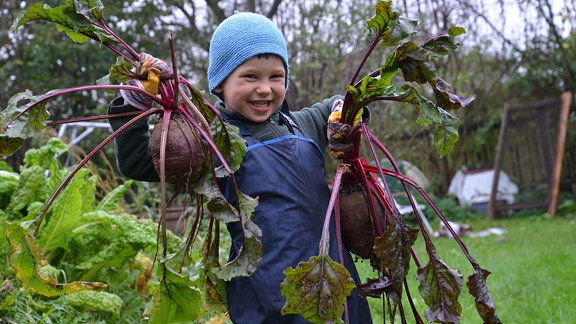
x,y
250,76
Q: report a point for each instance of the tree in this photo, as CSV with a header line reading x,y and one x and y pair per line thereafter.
x,y
41,59
505,57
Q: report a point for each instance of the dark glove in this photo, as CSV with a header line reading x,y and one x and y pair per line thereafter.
x,y
149,71
338,132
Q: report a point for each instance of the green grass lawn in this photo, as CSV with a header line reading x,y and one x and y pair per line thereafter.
x,y
533,268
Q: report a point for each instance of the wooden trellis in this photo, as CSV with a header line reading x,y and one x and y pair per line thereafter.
x,y
536,146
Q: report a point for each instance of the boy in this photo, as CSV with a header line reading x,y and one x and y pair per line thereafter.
x,y
283,166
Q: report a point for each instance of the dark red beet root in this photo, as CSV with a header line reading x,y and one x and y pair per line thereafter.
x,y
356,220
184,162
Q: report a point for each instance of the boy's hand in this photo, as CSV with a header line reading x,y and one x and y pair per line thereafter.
x,y
149,71
338,132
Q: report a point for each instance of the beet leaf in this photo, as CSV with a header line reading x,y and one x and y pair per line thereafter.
x,y
316,289
26,119
388,27
177,300
393,249
251,252
440,287
484,303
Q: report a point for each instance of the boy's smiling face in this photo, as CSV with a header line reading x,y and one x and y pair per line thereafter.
x,y
256,89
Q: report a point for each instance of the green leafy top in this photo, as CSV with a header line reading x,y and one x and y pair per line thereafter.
x,y
391,30
388,27
73,18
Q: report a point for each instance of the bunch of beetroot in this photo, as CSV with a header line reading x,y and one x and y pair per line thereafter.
x,y
371,226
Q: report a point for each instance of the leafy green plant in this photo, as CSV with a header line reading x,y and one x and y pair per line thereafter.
x,y
82,243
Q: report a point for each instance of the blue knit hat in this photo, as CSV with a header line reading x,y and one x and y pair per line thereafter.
x,y
239,38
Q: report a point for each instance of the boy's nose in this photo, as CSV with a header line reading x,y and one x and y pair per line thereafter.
x,y
263,88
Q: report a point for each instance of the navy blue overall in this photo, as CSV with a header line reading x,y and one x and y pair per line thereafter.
x,y
287,175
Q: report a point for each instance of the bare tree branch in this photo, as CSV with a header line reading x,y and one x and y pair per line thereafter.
x,y
545,8
216,10
274,9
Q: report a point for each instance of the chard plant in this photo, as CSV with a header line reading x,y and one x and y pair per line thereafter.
x,y
316,288
105,254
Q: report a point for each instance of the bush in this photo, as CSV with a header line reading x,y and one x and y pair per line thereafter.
x,y
87,251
